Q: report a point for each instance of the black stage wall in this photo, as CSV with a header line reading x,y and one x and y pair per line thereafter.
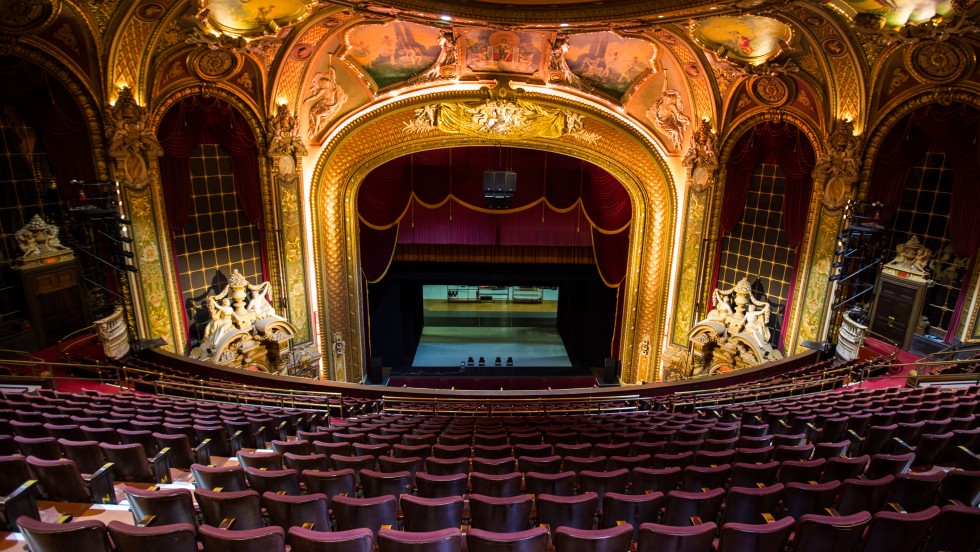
x,y
586,307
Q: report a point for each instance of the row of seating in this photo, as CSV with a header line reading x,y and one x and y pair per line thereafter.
x,y
952,528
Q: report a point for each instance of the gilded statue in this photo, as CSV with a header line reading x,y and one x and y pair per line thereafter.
x,y
911,257
326,97
39,240
130,141
669,115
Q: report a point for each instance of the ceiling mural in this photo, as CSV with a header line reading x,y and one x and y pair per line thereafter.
x,y
498,51
900,12
253,18
749,39
393,52
609,62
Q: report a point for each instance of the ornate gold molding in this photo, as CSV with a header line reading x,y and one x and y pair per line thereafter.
x,y
368,140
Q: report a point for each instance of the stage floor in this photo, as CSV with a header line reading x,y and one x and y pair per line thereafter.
x,y
443,346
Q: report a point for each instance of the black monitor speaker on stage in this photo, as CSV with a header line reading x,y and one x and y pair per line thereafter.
x,y
610,372
375,375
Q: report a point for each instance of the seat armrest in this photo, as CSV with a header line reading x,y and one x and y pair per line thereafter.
x,y
22,501
100,485
160,466
901,446
202,452
260,438
146,520
281,430
235,441
856,441
226,523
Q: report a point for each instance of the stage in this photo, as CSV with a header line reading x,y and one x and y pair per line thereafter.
x,y
448,346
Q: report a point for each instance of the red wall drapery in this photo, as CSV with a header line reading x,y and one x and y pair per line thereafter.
x,y
436,197
195,121
955,131
770,143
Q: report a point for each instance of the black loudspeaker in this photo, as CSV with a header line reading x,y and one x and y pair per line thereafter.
x,y
610,372
374,375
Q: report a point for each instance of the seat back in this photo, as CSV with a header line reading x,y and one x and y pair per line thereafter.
x,y
819,533
142,437
129,462
227,478
297,511
243,506
370,513
500,514
899,532
61,480
567,511
531,540
46,448
867,495
440,486
168,506
747,505
683,506
757,537
286,481
632,509
14,471
263,539
377,483
957,529
86,535
654,537
181,537
661,480
306,540
431,514
562,483
800,499
445,540
508,484
611,539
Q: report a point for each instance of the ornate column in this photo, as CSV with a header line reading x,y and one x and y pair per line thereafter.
x,y
702,173
834,176
285,150
135,150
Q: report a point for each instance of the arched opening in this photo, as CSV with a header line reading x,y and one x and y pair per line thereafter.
x,y
924,178
45,151
527,271
212,194
763,218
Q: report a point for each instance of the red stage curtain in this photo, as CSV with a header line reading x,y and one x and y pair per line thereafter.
x,y
195,121
377,247
436,197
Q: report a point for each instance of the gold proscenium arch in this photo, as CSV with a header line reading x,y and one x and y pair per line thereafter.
x,y
371,139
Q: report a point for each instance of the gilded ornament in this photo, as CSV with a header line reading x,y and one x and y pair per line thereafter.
x,y
215,64
771,90
27,16
937,62
326,99
838,165
701,160
131,143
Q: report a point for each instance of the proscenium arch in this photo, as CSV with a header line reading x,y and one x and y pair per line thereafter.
x,y
368,140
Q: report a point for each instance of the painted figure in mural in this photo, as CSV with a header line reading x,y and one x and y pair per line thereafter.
x,y
327,98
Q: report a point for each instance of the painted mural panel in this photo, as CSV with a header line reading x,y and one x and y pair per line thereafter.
x,y
490,51
394,52
900,12
748,38
609,62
